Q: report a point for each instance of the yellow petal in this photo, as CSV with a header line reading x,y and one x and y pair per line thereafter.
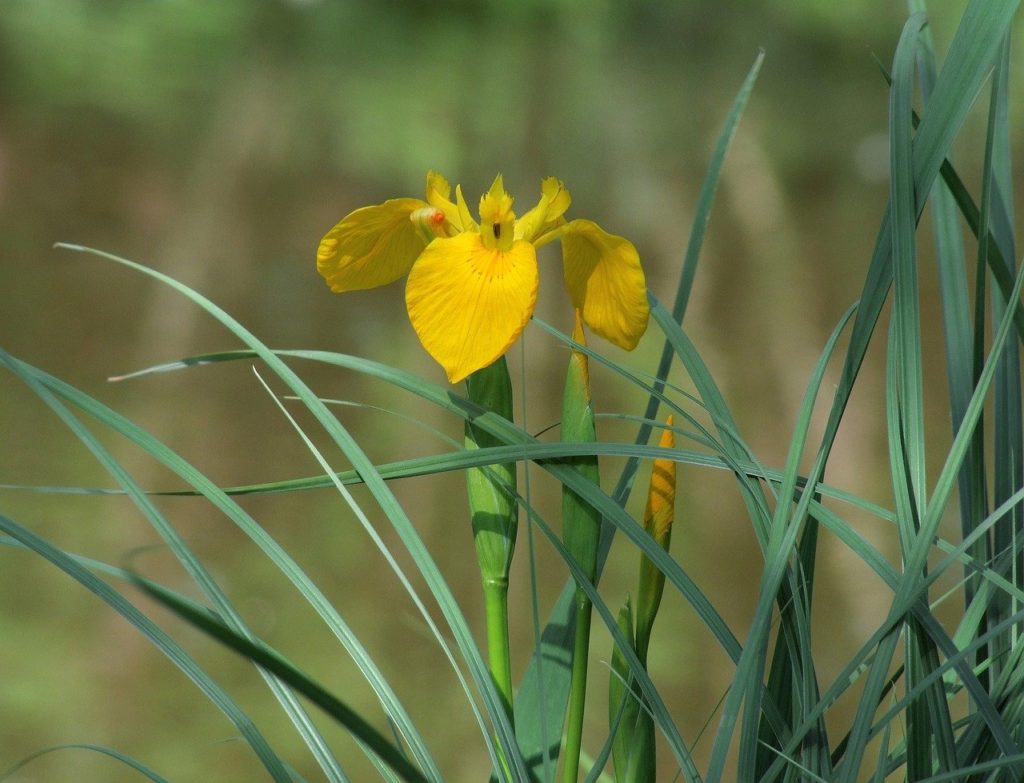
x,y
606,282
465,218
439,196
661,499
554,201
497,220
370,247
468,303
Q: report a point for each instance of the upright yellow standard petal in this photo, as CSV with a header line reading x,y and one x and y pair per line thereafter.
x,y
497,220
606,282
370,247
554,201
439,196
465,218
469,303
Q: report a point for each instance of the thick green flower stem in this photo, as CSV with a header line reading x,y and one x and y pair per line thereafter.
x,y
577,689
495,519
581,532
498,655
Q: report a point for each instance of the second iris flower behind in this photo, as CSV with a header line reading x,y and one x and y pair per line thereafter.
x,y
472,286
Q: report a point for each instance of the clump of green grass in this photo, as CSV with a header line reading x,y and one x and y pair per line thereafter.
x,y
776,722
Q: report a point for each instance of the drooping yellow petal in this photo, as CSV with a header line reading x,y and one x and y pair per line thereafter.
x,y
370,247
605,281
469,303
554,201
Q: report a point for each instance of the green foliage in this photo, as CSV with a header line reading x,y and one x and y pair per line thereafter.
x,y
932,698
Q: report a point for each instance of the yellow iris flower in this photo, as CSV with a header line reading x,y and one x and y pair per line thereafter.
x,y
473,286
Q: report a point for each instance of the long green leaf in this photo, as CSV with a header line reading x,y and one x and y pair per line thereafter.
x,y
270,660
546,687
1008,428
382,494
181,551
128,761
782,534
164,643
310,592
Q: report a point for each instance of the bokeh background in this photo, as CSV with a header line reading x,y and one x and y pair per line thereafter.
x,y
218,141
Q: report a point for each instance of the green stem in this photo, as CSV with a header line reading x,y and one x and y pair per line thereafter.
x,y
498,653
577,690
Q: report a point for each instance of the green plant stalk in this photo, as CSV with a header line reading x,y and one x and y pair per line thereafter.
x,y
577,689
633,749
659,515
622,705
581,531
499,657
491,492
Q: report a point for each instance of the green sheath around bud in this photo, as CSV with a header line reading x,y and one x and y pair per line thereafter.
x,y
581,524
633,751
495,520
491,488
622,707
659,515
581,531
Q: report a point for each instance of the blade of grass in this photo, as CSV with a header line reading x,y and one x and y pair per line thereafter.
x,y
971,55
529,449
195,569
164,643
395,567
382,495
910,584
284,562
552,691
782,531
957,330
1008,429
272,661
521,443
928,720
125,759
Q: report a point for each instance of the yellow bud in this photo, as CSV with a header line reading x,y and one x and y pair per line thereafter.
x,y
430,222
578,356
661,499
658,517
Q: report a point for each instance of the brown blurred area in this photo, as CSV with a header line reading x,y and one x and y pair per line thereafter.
x,y
216,142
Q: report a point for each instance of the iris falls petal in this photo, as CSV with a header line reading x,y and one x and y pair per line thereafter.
x,y
370,247
468,303
606,282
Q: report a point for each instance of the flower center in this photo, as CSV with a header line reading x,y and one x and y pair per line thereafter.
x,y
497,220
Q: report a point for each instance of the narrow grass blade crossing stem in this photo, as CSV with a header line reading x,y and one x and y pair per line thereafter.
x,y
439,588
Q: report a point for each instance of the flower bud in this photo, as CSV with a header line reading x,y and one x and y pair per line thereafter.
x,y
430,222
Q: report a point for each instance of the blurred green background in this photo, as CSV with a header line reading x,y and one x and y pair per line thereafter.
x,y
218,141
